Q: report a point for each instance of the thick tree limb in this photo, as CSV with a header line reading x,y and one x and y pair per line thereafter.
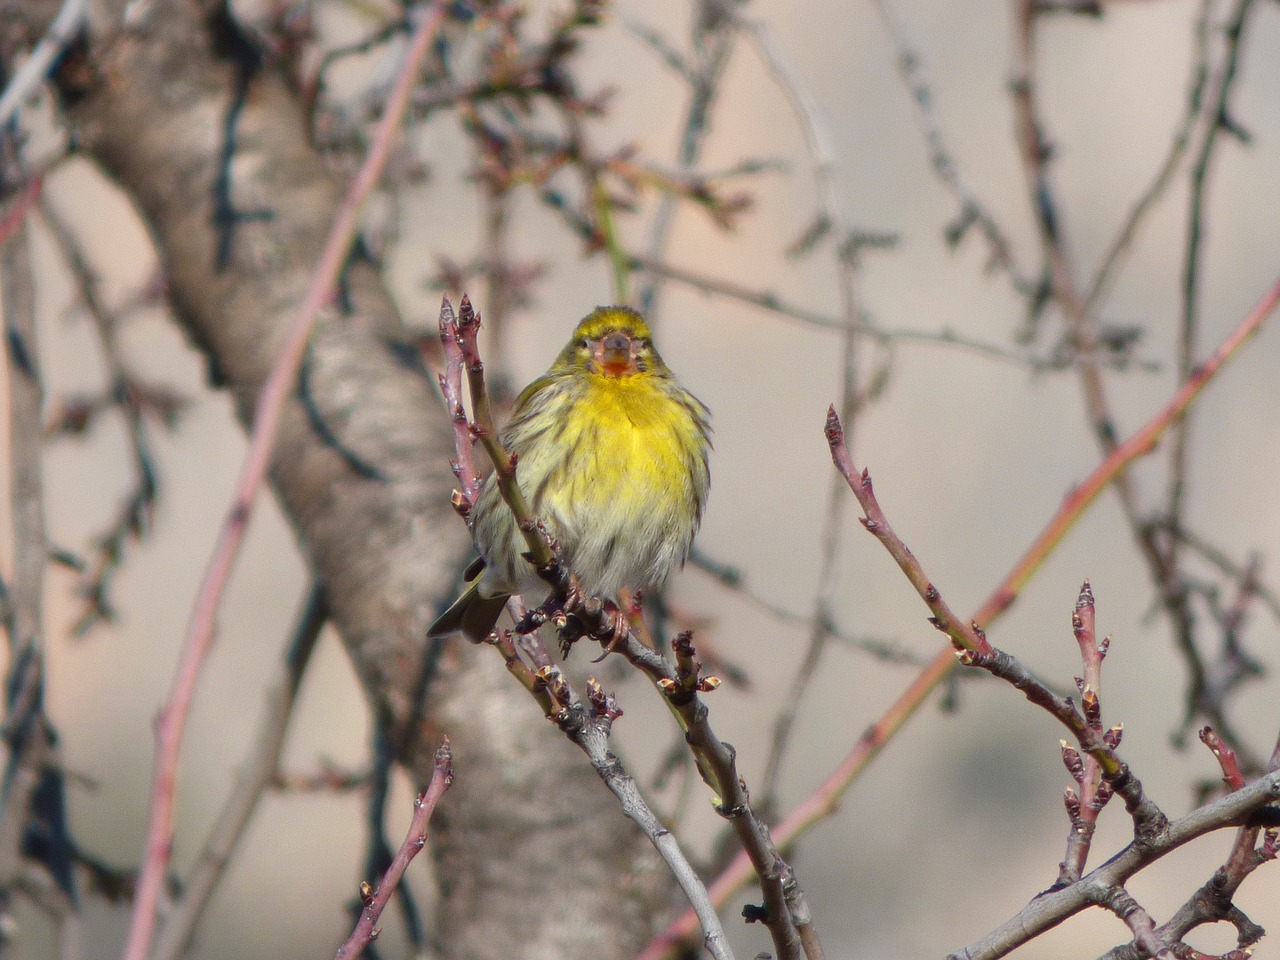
x,y
385,548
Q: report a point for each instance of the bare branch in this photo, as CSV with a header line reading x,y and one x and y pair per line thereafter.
x,y
375,900
1052,907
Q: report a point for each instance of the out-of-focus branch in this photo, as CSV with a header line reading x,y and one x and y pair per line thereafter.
x,y
1150,197
973,213
946,337
1236,571
59,35
882,649
830,216
32,799
131,398
258,775
276,391
714,34
1035,151
1217,111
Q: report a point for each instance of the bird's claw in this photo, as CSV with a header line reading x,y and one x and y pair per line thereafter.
x,y
614,635
571,629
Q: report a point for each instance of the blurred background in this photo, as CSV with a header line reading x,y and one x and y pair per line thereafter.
x,y
960,821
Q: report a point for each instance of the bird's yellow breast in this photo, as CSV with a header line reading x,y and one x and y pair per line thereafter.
x,y
631,439
621,478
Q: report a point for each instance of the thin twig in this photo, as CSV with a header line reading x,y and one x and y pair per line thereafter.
x,y
275,394
1123,240
1214,555
375,900
714,34
134,516
830,211
1219,121
773,303
1092,791
973,213
884,650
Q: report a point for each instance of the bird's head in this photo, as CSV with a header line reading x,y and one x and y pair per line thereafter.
x,y
612,342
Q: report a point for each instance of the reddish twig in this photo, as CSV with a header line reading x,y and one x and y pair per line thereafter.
x,y
375,900
968,637
1227,759
973,650
16,214
259,772
1084,806
276,391
464,467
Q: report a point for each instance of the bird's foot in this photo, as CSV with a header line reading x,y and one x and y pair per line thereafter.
x,y
569,622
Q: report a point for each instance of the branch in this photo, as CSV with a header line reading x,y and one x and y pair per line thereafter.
x,y
972,211
1219,121
1051,908
830,214
31,799
62,31
1124,237
132,398
714,34
375,900
974,650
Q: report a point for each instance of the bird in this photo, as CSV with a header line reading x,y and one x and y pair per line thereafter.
x,y
612,455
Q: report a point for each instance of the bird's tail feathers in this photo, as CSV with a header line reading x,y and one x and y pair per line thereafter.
x,y
471,614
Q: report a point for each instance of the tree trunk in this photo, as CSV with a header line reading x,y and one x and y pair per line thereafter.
x,y
535,858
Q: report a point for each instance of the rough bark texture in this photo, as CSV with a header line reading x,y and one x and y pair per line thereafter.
x,y
537,860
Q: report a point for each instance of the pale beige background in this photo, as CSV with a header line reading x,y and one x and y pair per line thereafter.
x,y
960,822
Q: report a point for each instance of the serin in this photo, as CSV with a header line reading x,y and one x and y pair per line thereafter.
x,y
611,455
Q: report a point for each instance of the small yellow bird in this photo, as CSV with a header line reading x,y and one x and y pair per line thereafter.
x,y
611,455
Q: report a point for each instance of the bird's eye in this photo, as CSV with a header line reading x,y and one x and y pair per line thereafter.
x,y
584,344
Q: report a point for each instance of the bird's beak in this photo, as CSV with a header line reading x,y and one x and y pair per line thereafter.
x,y
615,355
